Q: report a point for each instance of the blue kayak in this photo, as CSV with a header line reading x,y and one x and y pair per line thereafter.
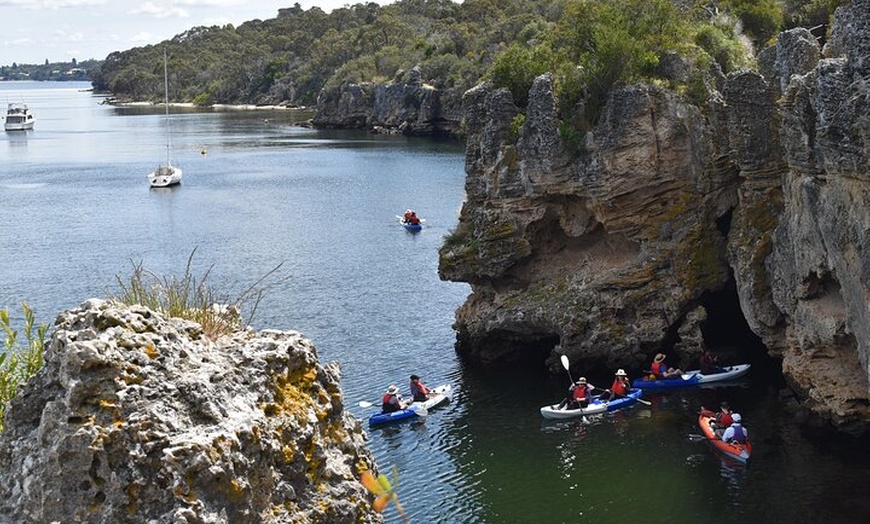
x,y
413,228
440,395
692,378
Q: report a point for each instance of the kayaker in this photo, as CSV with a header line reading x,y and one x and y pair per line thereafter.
x,y
620,386
721,419
736,432
581,394
391,401
407,215
708,362
414,220
418,390
660,370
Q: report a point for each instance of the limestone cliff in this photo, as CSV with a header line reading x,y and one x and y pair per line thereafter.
x,y
610,247
406,105
139,418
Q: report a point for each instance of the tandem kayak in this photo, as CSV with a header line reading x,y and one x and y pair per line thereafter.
x,y
739,452
597,405
440,395
692,378
414,228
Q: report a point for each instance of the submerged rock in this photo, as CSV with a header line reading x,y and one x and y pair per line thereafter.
x,y
142,419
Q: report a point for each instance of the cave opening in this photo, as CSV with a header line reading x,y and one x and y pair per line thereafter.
x,y
727,334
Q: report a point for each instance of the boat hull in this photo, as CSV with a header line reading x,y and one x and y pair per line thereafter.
x,y
18,117
165,176
413,228
441,395
738,452
692,378
554,412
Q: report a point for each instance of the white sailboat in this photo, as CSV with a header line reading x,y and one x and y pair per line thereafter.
x,y
166,174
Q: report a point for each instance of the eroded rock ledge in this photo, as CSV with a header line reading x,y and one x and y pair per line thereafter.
x,y
611,249
141,419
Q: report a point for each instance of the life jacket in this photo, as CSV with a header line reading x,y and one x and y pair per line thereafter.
x,y
581,393
419,391
659,369
739,434
725,419
619,387
387,405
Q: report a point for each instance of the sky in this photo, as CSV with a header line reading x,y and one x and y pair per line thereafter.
x,y
34,31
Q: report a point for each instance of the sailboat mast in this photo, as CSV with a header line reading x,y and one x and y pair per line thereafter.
x,y
166,105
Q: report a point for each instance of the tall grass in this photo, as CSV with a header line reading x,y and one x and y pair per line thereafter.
x,y
19,363
191,298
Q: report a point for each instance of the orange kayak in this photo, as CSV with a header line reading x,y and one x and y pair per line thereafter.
x,y
739,452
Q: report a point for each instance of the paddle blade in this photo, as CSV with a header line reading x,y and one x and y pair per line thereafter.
x,y
565,363
365,404
419,410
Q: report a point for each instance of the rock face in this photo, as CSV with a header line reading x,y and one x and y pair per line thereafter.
x,y
608,247
407,107
141,419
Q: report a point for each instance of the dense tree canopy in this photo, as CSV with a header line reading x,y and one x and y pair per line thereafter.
x,y
590,45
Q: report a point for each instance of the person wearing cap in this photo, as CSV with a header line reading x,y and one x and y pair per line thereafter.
x,y
620,385
391,401
660,370
581,394
418,390
736,432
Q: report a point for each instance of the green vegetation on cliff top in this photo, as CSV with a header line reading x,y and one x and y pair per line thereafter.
x,y
290,58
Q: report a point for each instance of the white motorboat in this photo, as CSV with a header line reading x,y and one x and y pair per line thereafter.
x,y
166,175
18,117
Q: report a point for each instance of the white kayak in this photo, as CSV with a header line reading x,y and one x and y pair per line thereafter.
x,y
438,396
596,406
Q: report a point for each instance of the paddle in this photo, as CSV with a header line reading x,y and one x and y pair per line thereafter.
x,y
567,366
642,401
419,410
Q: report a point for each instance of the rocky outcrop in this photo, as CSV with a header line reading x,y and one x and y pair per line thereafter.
x,y
601,251
140,418
405,106
608,246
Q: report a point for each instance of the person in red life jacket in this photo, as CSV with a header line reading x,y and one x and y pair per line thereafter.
x,y
721,419
418,390
736,432
581,394
391,401
708,362
660,370
620,386
414,220
407,216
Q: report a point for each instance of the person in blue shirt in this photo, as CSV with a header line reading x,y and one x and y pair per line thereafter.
x,y
736,432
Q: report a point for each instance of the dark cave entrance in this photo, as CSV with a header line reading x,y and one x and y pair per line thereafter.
x,y
727,334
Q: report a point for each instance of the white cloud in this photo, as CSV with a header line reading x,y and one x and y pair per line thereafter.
x,y
50,4
209,3
158,11
144,36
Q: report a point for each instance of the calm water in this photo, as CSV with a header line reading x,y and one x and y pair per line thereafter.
x,y
75,211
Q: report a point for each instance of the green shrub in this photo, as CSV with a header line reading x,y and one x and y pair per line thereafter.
x,y
722,45
762,19
190,297
516,68
17,363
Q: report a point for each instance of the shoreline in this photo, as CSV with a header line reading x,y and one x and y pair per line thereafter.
x,y
220,107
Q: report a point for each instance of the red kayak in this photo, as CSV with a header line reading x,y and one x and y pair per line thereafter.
x,y
739,452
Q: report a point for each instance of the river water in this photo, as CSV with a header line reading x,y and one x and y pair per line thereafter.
x,y
76,211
